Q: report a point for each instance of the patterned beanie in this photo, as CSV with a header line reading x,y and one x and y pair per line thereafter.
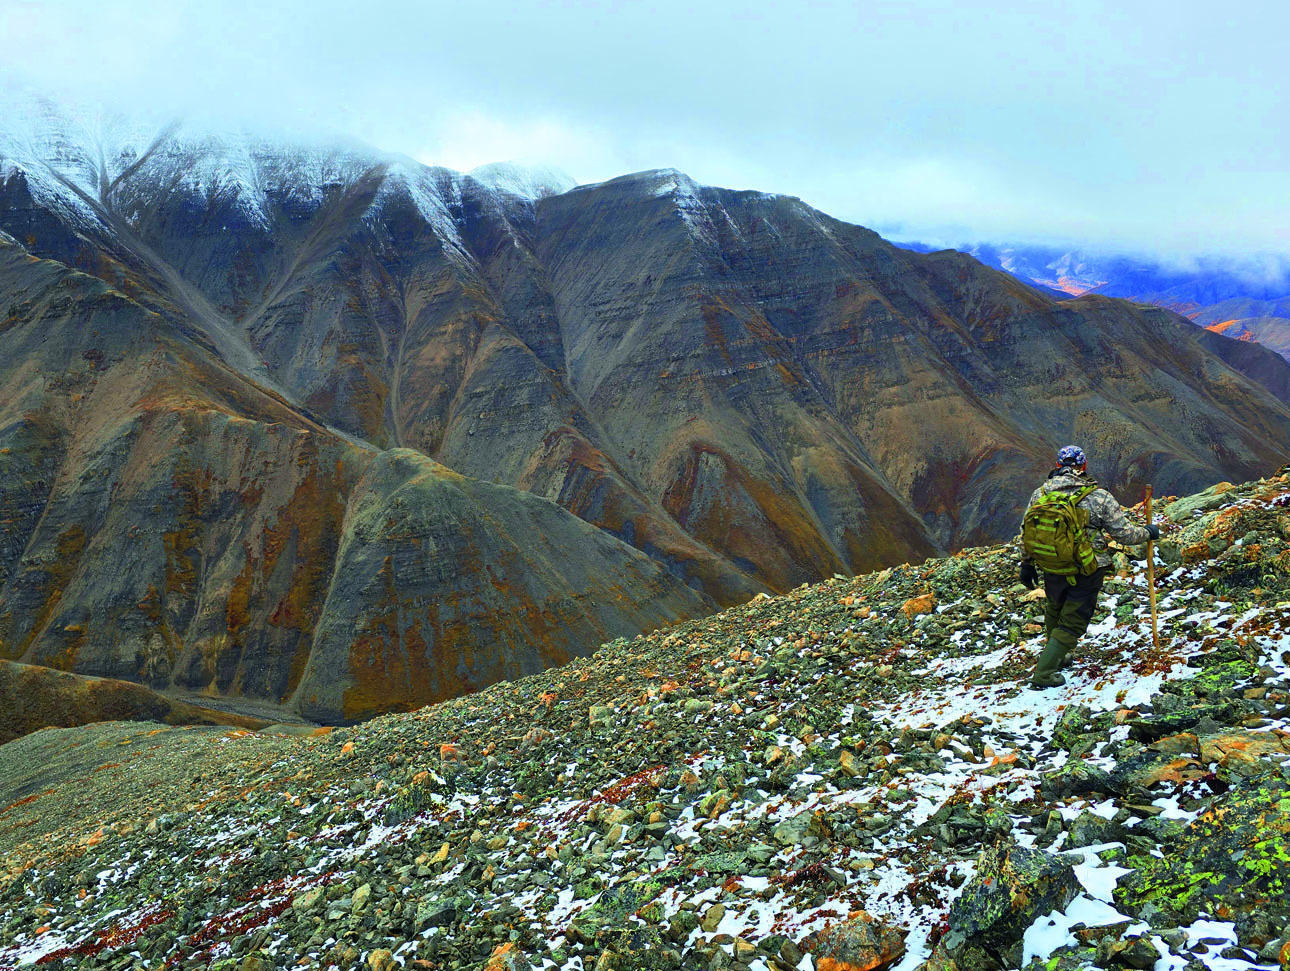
x,y
1071,455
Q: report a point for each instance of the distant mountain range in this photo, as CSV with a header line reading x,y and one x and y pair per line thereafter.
x,y
1245,299
332,429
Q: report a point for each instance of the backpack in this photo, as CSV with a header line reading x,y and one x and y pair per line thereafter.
x,y
1054,533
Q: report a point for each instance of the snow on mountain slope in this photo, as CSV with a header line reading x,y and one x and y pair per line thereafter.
x,y
530,182
82,163
57,156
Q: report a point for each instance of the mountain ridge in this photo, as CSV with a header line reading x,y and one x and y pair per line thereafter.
x,y
1248,299
82,574
739,391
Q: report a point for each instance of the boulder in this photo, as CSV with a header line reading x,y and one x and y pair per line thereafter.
x,y
435,913
1076,778
1090,829
361,896
1013,886
796,830
309,901
860,943
1182,510
508,957
1243,754
1132,952
1148,768
1075,721
924,604
1182,744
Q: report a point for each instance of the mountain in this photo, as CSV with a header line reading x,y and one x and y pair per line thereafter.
x,y
313,425
526,181
1265,322
1243,299
853,775
165,520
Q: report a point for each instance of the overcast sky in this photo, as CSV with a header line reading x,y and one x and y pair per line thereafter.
x,y
1130,123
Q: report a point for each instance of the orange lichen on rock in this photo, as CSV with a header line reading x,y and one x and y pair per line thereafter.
x,y
507,957
924,604
860,943
1248,748
1177,771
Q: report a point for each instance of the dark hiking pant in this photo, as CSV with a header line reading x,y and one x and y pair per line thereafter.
x,y
1070,606
1067,613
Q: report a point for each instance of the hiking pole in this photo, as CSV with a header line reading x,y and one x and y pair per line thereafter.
x,y
1151,577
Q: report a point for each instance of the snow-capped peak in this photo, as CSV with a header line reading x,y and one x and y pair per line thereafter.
x,y
530,182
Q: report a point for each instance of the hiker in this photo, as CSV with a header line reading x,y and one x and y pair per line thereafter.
x,y
1071,557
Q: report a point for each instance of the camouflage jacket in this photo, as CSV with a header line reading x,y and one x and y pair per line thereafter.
x,y
1104,513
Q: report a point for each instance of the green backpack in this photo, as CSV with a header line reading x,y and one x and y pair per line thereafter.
x,y
1054,533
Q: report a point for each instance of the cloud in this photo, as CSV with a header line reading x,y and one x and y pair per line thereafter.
x,y
1129,124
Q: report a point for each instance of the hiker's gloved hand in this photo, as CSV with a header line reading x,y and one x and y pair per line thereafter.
x,y
1027,574
1155,532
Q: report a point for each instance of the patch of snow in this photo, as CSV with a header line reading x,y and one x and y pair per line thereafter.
x,y
32,951
1099,879
949,666
1053,930
1172,810
1218,931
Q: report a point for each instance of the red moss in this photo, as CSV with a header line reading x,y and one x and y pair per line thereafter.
x,y
244,919
812,874
116,936
620,790
23,802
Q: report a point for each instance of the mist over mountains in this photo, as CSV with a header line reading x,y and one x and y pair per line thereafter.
x,y
1244,298
339,431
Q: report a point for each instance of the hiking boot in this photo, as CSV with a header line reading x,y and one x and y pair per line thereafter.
x,y
1047,681
1050,659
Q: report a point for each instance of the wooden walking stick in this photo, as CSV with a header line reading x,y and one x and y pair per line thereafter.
x,y
1151,576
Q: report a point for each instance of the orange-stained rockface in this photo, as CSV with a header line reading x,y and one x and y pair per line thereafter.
x,y
163,520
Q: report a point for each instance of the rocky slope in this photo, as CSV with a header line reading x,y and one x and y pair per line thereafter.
x,y
852,776
224,359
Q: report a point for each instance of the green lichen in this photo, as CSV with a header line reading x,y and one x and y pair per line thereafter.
x,y
1234,857
1214,680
